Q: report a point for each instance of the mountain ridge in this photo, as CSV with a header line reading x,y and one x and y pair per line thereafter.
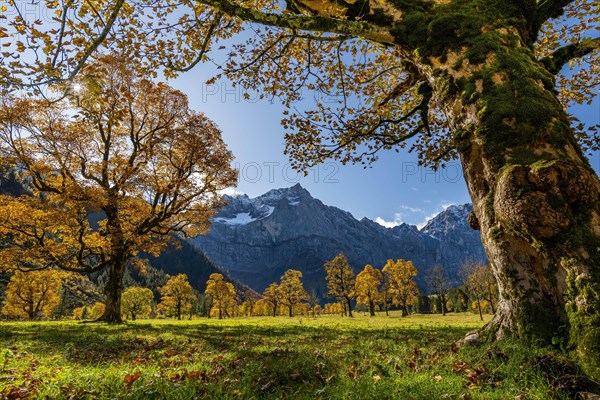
x,y
257,239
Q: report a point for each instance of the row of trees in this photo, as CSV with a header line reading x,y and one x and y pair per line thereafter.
x,y
37,294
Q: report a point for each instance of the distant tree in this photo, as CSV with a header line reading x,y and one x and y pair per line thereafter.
x,y
334,308
78,313
386,292
250,297
221,292
134,154
482,287
438,282
402,286
96,310
137,302
313,301
177,296
367,287
272,297
291,292
423,304
33,295
340,280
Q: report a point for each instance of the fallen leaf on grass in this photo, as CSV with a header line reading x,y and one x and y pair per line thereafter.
x,y
376,378
130,378
197,375
438,378
16,392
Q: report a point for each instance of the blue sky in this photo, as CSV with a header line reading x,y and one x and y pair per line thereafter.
x,y
394,190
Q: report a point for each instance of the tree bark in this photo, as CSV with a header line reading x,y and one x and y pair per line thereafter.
x,y
113,290
349,303
535,196
372,308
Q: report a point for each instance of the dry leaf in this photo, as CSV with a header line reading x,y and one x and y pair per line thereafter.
x,y
130,378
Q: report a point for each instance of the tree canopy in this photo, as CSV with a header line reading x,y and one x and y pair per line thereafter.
x,y
130,169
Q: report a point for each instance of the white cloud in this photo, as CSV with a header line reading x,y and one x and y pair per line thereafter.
x,y
233,192
390,224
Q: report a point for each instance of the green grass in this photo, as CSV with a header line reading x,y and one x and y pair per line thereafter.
x,y
266,358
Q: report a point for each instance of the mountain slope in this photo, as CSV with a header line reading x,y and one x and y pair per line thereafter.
x,y
256,240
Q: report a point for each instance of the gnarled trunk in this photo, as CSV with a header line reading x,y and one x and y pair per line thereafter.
x,y
535,198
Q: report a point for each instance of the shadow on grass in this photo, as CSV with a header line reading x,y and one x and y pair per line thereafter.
x,y
91,344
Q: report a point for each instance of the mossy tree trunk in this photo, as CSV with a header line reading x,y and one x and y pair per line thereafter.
x,y
535,197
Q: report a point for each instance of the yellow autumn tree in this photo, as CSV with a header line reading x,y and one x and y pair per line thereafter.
x,y
340,280
33,294
272,298
367,287
134,154
137,302
481,286
290,291
403,289
221,292
96,310
177,296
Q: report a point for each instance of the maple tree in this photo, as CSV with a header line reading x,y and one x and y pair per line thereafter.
x,y
134,155
402,287
340,280
272,297
33,295
221,292
177,296
481,285
367,287
486,81
137,302
290,290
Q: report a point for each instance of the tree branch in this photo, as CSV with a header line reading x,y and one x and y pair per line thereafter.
x,y
546,10
563,55
315,23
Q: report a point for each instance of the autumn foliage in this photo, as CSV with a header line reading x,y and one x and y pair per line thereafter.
x,y
177,296
136,302
402,287
222,294
134,156
33,295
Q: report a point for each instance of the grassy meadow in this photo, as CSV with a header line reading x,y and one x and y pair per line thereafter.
x,y
329,357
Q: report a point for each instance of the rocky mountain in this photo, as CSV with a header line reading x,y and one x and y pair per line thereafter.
x,y
257,239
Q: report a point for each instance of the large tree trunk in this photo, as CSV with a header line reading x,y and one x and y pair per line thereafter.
x,y
112,291
535,198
